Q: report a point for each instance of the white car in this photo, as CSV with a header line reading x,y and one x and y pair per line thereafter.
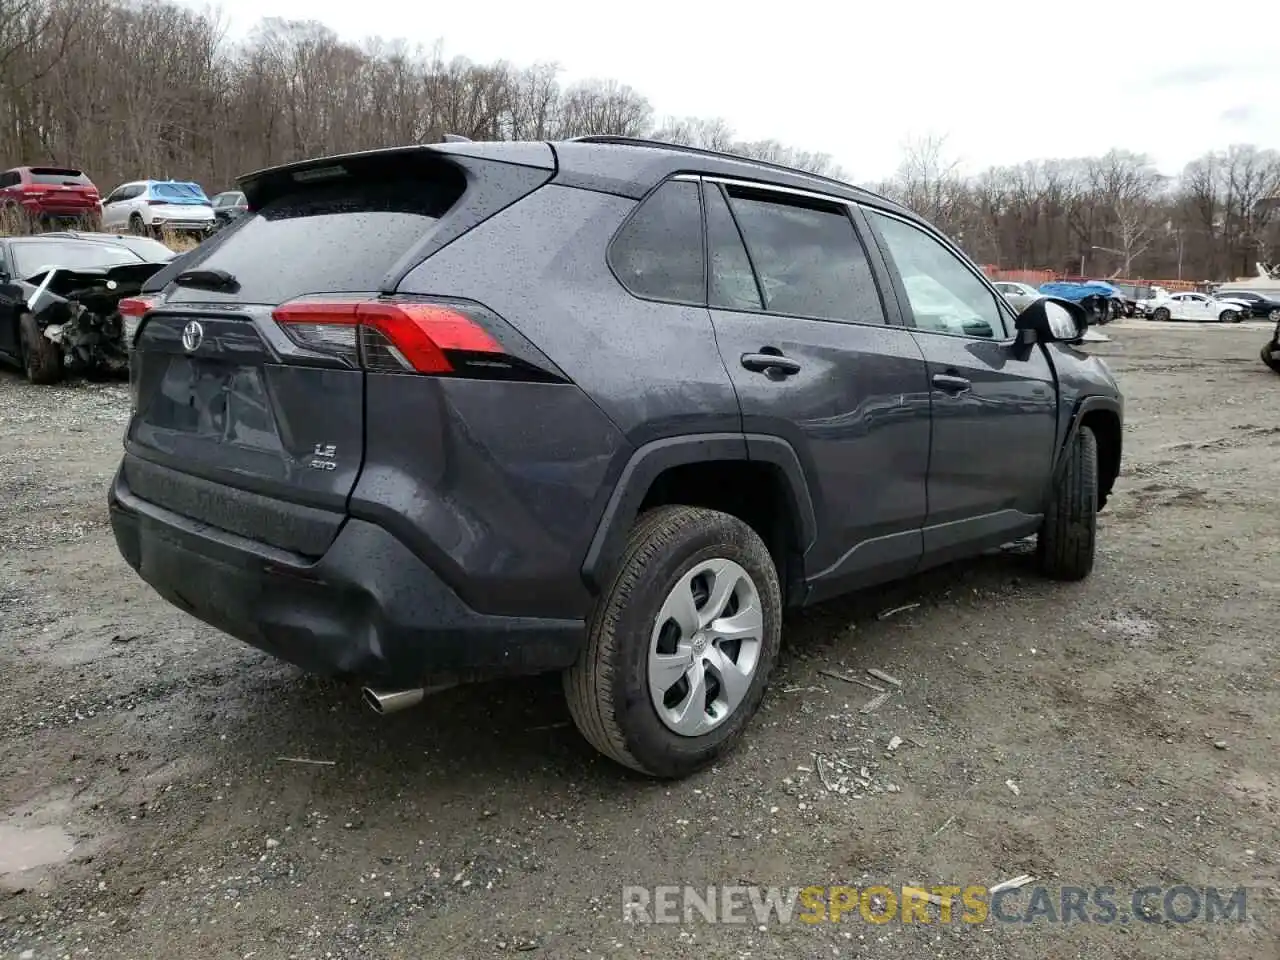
x,y
153,206
1019,295
1196,306
1144,305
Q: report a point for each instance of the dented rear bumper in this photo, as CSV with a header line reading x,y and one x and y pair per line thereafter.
x,y
368,608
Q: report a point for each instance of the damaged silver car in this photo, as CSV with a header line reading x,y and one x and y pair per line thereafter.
x,y
60,297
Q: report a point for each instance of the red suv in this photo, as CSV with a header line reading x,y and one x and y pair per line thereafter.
x,y
39,194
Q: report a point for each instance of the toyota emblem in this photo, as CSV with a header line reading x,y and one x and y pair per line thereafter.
x,y
192,336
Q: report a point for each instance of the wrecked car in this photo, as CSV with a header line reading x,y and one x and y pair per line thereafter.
x,y
1100,300
59,303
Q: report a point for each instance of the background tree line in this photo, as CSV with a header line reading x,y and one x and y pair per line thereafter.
x,y
128,89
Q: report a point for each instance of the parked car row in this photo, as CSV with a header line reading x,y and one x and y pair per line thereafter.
x,y
1101,301
1224,307
39,196
1154,302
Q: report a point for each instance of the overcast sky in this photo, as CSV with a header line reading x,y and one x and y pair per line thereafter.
x,y
1004,81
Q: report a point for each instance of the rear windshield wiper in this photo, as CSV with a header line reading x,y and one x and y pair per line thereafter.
x,y
208,280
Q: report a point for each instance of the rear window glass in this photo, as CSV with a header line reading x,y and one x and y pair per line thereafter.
x,y
57,177
34,256
328,238
178,191
152,250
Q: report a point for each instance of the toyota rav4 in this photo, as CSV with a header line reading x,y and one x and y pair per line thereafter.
x,y
449,412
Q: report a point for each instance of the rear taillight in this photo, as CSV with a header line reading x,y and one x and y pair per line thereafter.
x,y
136,306
398,336
132,310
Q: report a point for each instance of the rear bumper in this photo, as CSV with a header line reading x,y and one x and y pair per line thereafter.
x,y
369,608
37,209
176,223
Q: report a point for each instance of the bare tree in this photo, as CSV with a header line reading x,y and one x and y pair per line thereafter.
x,y
928,181
1252,184
1127,188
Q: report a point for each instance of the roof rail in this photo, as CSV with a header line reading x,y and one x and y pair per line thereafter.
x,y
703,152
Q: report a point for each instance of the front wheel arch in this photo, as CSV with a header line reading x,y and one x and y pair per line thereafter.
x,y
41,357
1104,417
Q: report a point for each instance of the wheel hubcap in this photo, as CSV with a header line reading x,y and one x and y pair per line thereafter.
x,y
705,647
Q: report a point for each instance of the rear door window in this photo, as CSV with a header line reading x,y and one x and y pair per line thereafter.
x,y
329,237
733,282
658,252
809,260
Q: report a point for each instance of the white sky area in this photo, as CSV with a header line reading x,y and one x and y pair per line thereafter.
x,y
1004,81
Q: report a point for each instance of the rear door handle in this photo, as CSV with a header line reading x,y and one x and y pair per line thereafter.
x,y
949,383
772,363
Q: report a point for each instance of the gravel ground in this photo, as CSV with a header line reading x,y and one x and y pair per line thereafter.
x,y
1135,716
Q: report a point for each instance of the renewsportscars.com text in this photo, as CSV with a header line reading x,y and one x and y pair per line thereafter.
x,y
941,904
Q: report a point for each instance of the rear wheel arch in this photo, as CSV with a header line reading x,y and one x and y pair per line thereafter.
x,y
757,479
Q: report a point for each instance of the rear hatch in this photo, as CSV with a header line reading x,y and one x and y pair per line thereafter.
x,y
247,373
60,190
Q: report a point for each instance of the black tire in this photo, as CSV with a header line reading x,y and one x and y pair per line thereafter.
x,y
1271,355
41,357
1068,533
608,688
1161,314
136,226
1230,316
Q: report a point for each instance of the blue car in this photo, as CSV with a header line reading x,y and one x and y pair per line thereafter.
x,y
1102,301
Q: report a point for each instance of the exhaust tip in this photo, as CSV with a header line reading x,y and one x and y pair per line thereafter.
x,y
383,702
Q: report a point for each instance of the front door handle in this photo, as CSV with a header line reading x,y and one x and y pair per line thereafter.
x,y
950,383
771,363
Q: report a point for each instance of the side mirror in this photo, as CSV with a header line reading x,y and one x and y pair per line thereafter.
x,y
979,328
1049,319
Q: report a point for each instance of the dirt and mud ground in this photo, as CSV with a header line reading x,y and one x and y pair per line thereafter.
x,y
1137,715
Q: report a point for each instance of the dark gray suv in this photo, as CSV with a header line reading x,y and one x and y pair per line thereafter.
x,y
441,413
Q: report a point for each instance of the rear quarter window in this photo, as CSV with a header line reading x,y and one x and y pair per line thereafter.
x,y
658,252
338,237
